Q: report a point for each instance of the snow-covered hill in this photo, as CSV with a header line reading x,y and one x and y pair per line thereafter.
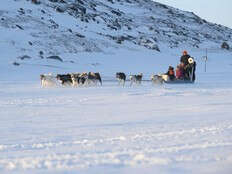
x,y
58,33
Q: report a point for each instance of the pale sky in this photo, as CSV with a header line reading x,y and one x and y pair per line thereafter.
x,y
216,11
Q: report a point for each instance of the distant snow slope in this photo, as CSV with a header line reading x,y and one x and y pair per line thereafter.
x,y
78,31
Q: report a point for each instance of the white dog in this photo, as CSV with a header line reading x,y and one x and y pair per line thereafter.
x,y
48,80
136,79
157,79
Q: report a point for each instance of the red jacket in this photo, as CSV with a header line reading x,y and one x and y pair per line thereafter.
x,y
179,73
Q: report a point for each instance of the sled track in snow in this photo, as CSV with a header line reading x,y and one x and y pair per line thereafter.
x,y
88,152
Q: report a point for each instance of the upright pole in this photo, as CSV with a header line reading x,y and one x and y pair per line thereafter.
x,y
206,57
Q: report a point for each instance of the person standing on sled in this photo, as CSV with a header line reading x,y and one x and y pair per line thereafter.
x,y
187,67
184,58
184,62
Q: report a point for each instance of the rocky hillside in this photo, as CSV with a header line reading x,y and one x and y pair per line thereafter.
x,y
47,28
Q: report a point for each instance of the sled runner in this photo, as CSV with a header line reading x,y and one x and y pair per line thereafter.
x,y
178,81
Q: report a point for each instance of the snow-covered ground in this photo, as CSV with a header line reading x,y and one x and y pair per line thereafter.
x,y
114,129
110,129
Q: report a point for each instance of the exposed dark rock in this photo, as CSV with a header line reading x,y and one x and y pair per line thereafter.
x,y
162,6
110,1
18,26
112,27
80,1
41,54
60,9
53,0
78,8
225,45
21,11
80,35
54,24
55,58
155,47
43,11
16,63
24,57
118,13
35,1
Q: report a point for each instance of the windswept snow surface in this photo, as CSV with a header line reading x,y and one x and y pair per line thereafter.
x,y
111,129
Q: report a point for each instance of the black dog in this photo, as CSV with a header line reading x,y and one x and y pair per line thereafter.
x,y
121,77
65,79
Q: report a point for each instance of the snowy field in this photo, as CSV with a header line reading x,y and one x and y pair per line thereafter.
x,y
111,129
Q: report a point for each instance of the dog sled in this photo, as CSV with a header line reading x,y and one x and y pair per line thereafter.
x,y
189,77
163,78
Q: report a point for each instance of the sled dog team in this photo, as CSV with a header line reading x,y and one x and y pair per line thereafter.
x,y
185,72
84,79
91,78
70,79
